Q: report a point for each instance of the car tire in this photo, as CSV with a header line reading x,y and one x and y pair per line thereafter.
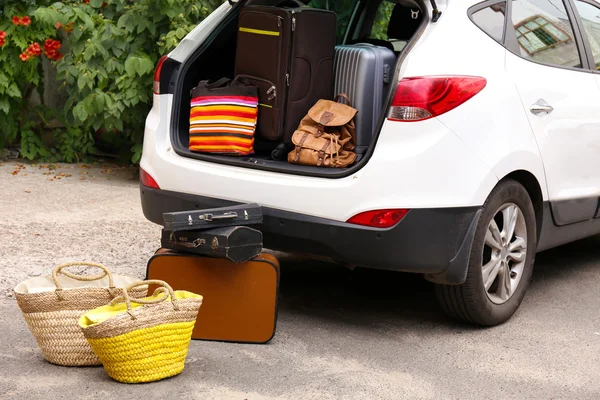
x,y
483,299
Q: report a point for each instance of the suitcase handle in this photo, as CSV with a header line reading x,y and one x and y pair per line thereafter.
x,y
211,217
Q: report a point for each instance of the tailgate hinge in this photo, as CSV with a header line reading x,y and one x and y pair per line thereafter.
x,y
436,13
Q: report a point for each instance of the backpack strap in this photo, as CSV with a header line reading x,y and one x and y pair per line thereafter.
x,y
343,96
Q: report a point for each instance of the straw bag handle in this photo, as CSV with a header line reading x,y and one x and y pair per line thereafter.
x,y
163,289
84,278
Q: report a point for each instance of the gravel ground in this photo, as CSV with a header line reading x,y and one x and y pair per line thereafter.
x,y
341,334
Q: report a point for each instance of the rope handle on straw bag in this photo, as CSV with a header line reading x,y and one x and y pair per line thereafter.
x,y
83,278
164,289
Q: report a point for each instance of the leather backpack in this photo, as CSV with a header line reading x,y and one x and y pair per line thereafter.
x,y
326,136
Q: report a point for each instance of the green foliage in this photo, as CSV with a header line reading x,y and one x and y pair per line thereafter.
x,y
115,46
109,52
21,72
382,20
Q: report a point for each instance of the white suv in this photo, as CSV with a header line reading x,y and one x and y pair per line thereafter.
x,y
487,150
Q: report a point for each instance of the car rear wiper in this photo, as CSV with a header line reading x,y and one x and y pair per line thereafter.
x,y
436,13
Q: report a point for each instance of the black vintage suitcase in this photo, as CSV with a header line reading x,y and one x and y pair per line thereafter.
x,y
235,243
288,52
244,214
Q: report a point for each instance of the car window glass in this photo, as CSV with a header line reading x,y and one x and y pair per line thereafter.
x,y
382,20
544,32
491,20
342,8
590,15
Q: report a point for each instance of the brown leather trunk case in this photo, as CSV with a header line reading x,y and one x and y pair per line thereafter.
x,y
240,300
288,53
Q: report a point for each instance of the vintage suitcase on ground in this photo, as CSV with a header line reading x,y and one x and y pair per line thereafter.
x,y
235,243
240,300
244,214
287,51
364,72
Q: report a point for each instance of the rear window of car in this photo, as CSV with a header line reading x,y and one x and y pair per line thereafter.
x,y
343,10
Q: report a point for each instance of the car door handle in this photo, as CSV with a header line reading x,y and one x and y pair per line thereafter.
x,y
540,107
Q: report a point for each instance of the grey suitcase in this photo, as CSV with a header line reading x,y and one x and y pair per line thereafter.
x,y
364,72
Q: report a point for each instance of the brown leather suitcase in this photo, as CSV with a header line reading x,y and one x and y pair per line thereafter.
x,y
287,51
240,300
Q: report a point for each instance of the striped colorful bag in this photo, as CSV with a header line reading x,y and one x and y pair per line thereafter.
x,y
223,117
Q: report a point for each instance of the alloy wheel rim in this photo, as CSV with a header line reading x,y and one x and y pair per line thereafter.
x,y
504,253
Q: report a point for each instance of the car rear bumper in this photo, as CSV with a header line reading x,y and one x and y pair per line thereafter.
x,y
435,242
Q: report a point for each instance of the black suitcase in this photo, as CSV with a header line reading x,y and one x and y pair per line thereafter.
x,y
235,243
287,51
244,214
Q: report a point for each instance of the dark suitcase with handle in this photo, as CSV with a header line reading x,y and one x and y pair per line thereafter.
x,y
287,51
234,243
244,214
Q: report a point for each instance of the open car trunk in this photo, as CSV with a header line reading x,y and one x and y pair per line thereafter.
x,y
215,59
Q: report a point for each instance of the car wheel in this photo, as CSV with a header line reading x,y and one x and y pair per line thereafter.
x,y
501,260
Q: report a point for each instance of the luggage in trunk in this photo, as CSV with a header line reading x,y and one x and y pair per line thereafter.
x,y
364,72
244,214
288,53
240,300
235,243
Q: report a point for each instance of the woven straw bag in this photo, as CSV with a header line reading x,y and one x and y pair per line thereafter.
x,y
52,305
143,340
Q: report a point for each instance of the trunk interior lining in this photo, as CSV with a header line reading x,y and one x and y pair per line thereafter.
x,y
222,47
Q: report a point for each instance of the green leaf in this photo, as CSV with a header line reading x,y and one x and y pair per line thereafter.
x,y
81,81
13,91
4,105
96,3
146,66
122,22
132,65
80,113
100,101
89,52
180,33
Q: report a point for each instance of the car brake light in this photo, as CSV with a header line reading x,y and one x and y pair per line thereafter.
x,y
157,72
147,180
420,98
379,218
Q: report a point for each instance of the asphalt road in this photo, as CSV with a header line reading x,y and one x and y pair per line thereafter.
x,y
341,334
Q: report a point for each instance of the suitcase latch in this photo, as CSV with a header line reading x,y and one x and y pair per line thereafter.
x,y
211,217
196,243
272,92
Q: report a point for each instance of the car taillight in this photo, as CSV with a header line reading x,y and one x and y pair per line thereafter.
x,y
148,180
379,218
157,72
424,97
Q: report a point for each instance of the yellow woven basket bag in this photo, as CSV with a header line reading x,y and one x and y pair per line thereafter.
x,y
52,305
143,340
